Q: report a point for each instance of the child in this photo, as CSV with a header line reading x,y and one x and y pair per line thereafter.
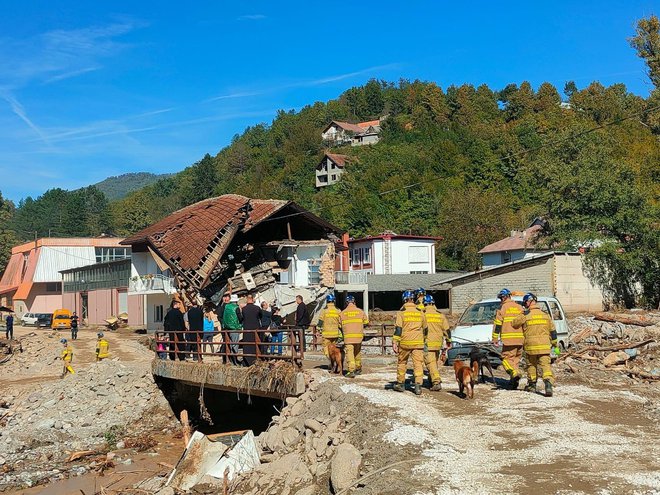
x,y
160,345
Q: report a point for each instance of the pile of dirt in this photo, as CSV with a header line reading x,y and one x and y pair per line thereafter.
x,y
95,409
626,343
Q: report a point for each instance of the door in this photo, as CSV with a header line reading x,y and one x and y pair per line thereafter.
x,y
84,305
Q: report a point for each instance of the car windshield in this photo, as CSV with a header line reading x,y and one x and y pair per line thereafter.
x,y
62,317
480,313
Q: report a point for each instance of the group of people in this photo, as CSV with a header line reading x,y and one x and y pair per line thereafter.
x,y
255,328
422,333
66,355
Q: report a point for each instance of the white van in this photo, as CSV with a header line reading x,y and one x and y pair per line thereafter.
x,y
476,326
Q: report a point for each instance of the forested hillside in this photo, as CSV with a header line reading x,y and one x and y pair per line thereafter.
x,y
119,186
465,163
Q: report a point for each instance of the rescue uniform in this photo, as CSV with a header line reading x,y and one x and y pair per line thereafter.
x,y
329,321
512,338
438,331
102,349
67,357
353,321
412,323
540,335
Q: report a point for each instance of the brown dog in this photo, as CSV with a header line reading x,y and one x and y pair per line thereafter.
x,y
465,377
336,356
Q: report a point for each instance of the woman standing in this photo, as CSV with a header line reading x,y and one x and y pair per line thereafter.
x,y
211,325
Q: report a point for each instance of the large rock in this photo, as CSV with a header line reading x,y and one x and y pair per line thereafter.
x,y
614,358
345,467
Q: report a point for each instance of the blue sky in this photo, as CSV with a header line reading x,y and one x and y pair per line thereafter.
x,y
93,89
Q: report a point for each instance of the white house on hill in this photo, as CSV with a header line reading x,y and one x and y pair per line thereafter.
x,y
338,133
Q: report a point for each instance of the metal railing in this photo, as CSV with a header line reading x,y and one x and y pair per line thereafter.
x,y
350,277
156,282
242,347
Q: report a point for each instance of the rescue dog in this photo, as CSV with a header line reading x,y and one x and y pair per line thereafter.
x,y
336,355
465,378
479,356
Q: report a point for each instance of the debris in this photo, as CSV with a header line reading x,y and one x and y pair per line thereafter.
x,y
345,467
80,454
626,319
186,427
618,357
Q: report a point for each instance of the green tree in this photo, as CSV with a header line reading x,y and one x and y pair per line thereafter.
x,y
647,43
7,235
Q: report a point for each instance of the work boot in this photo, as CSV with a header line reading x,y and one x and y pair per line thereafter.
x,y
418,389
399,387
548,388
350,374
530,387
514,382
358,371
436,387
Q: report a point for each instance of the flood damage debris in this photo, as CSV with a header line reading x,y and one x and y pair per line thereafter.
x,y
222,456
234,243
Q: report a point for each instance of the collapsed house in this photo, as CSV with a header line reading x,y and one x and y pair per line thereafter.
x,y
271,248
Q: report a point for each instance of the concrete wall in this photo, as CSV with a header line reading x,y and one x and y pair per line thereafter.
x,y
101,305
536,277
402,261
573,289
41,301
69,301
143,264
154,300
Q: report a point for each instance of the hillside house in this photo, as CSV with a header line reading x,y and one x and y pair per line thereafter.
x,y
271,248
32,281
330,169
339,133
519,245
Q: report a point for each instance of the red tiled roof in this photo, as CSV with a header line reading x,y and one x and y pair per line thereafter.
x,y
340,160
348,126
521,240
370,123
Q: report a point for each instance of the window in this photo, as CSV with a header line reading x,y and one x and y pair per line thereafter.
x,y
112,253
334,177
506,257
314,274
53,287
554,310
418,254
158,313
424,272
366,256
356,257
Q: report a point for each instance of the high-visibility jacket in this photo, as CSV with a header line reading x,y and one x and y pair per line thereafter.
x,y
412,323
67,354
502,326
102,349
330,322
353,321
538,330
438,328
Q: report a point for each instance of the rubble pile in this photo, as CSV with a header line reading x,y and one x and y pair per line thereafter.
x,y
33,354
625,342
95,409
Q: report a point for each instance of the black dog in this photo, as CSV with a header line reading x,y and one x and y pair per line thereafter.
x,y
479,355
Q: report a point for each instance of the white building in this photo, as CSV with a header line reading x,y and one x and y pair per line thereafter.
x,y
338,133
390,253
330,169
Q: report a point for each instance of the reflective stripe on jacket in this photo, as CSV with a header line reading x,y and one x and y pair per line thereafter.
x,y
537,327
353,321
438,327
330,321
504,317
412,323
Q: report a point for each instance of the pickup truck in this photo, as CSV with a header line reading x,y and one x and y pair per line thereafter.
x,y
476,325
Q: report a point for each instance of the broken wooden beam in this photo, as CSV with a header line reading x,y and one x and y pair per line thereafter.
x,y
625,319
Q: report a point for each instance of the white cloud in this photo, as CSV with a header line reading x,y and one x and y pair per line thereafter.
x,y
251,17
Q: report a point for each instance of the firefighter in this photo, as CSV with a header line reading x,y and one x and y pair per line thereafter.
x,y
511,338
102,347
67,357
437,334
408,341
329,323
540,337
353,321
420,294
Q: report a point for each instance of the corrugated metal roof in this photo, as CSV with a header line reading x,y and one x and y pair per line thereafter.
x,y
405,281
52,260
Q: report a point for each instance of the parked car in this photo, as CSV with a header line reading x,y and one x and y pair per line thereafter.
x,y
61,319
476,327
29,319
45,320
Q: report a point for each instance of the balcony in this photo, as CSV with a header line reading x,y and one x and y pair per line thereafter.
x,y
151,284
351,278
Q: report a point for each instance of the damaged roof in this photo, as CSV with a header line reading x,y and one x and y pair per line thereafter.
x,y
194,239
